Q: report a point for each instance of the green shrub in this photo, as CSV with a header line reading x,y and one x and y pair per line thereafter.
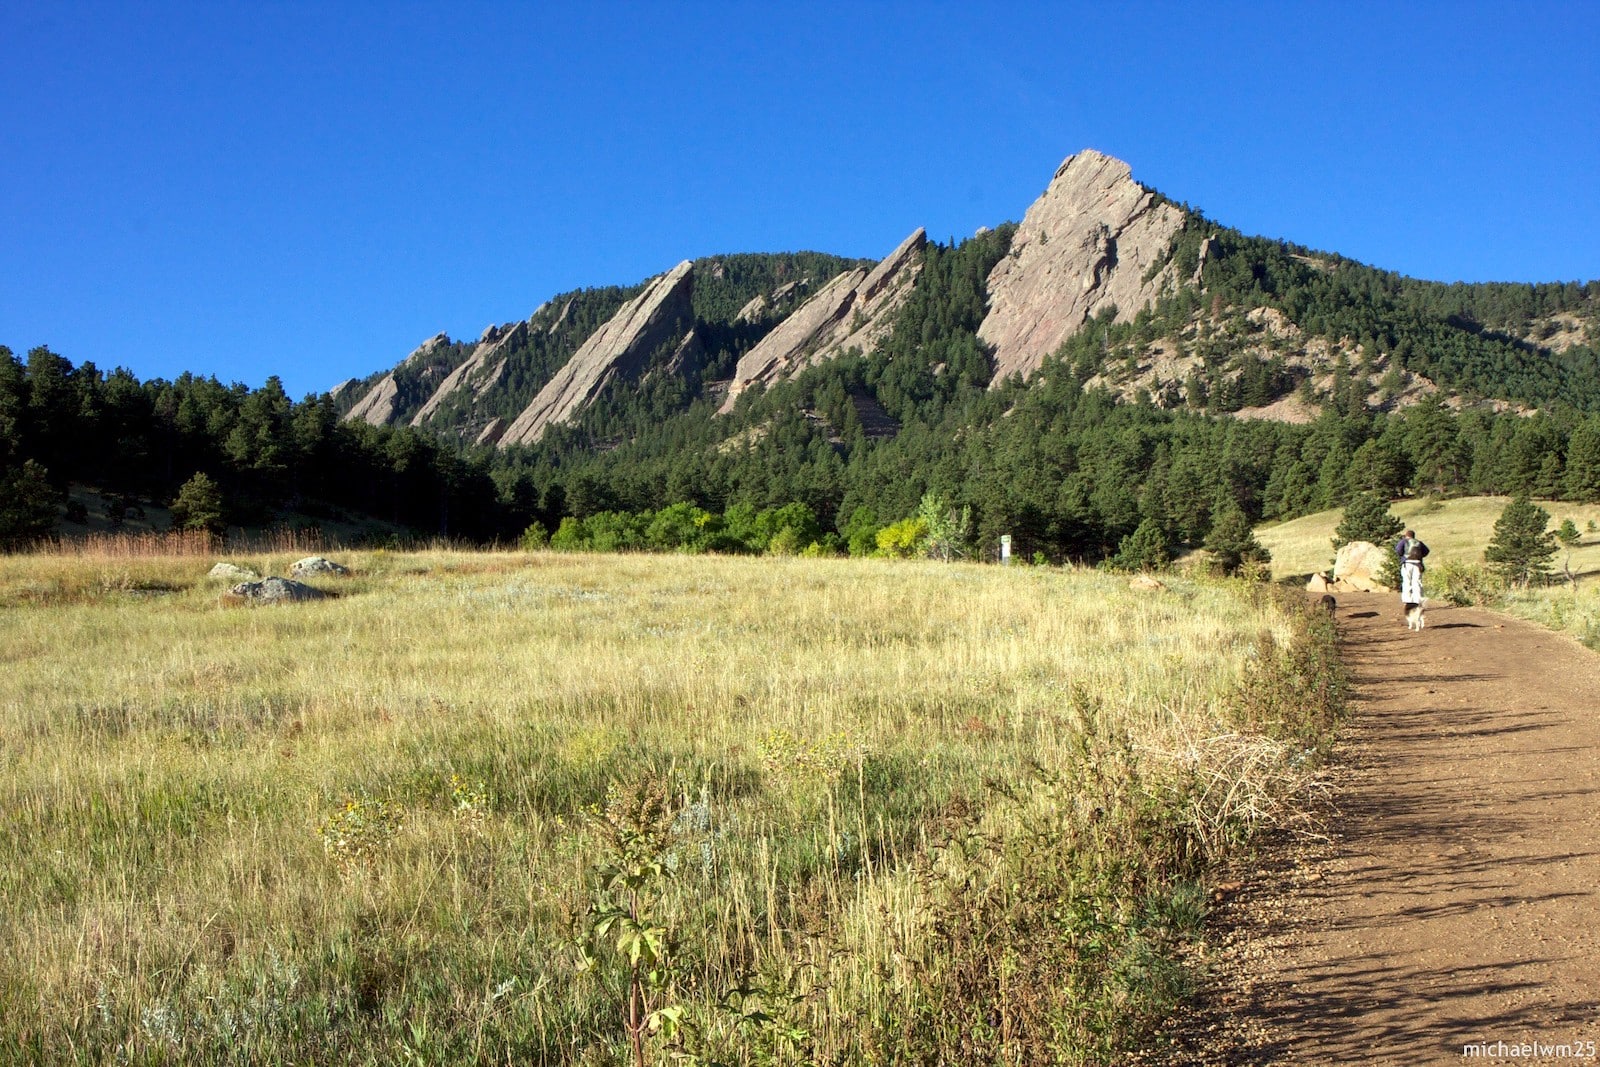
x,y
1463,584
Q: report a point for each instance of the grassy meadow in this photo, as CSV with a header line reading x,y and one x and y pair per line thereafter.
x,y
1457,531
541,808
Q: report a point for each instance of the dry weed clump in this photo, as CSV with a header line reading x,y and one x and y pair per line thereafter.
x,y
823,860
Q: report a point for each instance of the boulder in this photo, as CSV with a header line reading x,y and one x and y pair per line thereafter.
x,y
1318,583
1358,565
314,566
1146,583
1095,240
271,591
232,573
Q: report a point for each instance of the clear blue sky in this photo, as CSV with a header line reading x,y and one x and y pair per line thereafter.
x,y
311,189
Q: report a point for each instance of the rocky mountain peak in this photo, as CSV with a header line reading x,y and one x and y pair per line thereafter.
x,y
1089,242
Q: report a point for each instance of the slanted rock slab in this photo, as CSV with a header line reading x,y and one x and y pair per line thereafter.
x,y
313,566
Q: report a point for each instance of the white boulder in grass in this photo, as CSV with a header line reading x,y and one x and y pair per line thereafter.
x,y
232,572
314,566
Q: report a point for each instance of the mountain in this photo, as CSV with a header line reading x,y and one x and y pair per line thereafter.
x,y
1113,363
1095,242
1185,311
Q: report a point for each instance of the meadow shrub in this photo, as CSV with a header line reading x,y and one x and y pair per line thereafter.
x,y
1465,585
904,539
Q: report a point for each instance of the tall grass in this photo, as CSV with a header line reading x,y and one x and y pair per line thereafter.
x,y
901,812
160,544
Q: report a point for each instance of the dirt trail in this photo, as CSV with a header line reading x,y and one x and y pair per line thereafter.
x,y
1456,903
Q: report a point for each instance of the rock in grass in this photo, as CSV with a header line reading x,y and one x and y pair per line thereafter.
x,y
271,591
233,573
1359,565
313,566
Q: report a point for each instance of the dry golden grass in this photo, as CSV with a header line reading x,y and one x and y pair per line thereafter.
x,y
183,871
1455,530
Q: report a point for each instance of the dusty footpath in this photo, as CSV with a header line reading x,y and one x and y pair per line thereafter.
x,y
1453,913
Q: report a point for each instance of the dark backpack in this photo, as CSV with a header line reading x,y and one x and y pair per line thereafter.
x,y
1414,553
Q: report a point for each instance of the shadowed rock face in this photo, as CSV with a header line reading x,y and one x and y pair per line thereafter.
x,y
1085,245
377,407
658,317
481,371
854,310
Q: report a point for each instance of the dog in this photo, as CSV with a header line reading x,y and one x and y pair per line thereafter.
x,y
1414,617
1328,604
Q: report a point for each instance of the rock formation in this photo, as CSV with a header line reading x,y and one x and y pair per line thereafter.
x,y
378,405
312,566
660,316
1085,245
482,370
1357,566
854,310
271,591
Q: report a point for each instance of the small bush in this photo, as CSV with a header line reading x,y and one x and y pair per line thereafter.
x,y
1464,585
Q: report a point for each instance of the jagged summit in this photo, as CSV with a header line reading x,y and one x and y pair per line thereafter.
x,y
1086,244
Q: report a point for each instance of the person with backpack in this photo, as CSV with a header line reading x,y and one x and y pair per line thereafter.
x,y
1411,552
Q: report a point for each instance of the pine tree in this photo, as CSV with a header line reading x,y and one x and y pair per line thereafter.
x,y
198,505
1366,518
29,505
1522,546
1145,549
1233,543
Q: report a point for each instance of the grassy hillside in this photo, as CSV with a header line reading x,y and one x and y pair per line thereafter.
x,y
1455,531
578,809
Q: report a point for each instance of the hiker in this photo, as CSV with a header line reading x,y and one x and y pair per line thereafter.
x,y
1411,552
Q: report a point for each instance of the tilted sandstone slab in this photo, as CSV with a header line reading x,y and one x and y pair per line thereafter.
x,y
482,370
377,406
658,317
1085,245
854,310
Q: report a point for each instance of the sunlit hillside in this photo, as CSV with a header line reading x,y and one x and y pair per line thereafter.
x,y
1455,530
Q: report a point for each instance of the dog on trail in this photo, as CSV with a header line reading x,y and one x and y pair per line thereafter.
x,y
1328,603
1414,616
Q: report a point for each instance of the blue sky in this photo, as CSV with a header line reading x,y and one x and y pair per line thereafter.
x,y
311,189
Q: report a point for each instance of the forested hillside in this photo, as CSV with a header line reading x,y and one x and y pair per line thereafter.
x,y
1257,379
